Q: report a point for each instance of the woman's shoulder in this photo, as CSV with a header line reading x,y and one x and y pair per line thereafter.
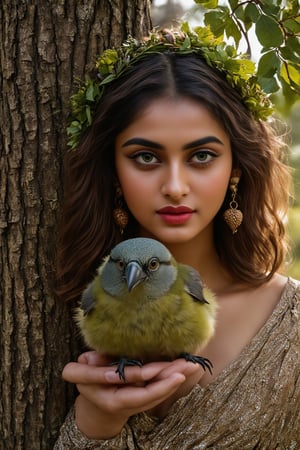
x,y
286,289
291,291
287,312
291,294
294,284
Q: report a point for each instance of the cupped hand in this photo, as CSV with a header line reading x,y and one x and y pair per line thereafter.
x,y
105,402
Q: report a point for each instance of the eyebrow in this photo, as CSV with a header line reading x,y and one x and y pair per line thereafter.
x,y
157,146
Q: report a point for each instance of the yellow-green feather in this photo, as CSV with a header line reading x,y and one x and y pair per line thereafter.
x,y
149,329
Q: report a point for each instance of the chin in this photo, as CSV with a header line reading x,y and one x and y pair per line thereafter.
x,y
174,235
176,238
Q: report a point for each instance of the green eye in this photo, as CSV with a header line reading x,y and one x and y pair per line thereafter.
x,y
153,264
145,158
202,157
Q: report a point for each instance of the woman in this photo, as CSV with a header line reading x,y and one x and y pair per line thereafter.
x,y
170,143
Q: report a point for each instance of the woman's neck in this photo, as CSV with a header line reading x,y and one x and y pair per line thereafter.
x,y
201,254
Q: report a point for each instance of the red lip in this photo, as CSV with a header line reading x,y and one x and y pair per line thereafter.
x,y
173,215
175,210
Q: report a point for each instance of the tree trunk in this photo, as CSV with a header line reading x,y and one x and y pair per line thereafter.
x,y
45,46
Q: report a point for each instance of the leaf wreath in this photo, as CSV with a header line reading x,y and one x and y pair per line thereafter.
x,y
239,71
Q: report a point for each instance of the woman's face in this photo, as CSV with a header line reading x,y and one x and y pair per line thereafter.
x,y
174,164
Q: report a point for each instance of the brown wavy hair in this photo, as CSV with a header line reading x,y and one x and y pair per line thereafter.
x,y
87,231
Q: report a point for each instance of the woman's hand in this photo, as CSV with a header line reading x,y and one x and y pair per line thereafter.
x,y
105,403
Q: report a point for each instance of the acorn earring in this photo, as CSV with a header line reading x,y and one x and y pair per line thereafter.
x,y
119,214
233,216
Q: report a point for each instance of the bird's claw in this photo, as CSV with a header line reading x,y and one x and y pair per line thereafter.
x,y
122,363
204,362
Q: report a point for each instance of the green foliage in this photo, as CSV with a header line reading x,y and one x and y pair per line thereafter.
x,y
239,71
277,27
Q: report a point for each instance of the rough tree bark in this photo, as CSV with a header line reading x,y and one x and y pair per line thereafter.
x,y
44,48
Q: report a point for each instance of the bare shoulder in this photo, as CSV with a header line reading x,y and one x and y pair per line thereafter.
x,y
273,289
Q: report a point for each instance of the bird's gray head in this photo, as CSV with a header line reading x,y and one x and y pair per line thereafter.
x,y
139,262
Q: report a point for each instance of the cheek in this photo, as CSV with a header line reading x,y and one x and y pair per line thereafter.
x,y
212,190
136,189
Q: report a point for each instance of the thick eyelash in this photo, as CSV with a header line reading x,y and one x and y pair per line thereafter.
x,y
135,155
205,152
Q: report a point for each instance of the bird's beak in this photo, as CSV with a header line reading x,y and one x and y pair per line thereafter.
x,y
134,275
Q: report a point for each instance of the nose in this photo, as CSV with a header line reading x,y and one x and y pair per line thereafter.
x,y
175,183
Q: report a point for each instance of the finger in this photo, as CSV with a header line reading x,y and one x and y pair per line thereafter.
x,y
136,374
94,359
157,370
92,374
151,394
187,368
131,398
84,373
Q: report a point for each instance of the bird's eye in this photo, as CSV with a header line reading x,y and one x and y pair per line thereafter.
x,y
153,264
120,264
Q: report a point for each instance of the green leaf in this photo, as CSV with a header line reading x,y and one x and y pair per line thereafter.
x,y
289,55
239,13
269,8
74,127
215,19
269,85
89,95
207,3
287,96
232,29
233,4
268,65
243,67
186,43
251,12
293,44
268,32
293,25
291,74
107,79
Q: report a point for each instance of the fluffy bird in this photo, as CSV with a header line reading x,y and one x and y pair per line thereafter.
x,y
143,306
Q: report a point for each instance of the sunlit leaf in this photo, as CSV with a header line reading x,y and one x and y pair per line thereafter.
x,y
243,67
207,3
215,19
291,74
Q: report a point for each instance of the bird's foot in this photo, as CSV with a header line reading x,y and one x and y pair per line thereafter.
x,y
204,362
122,363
